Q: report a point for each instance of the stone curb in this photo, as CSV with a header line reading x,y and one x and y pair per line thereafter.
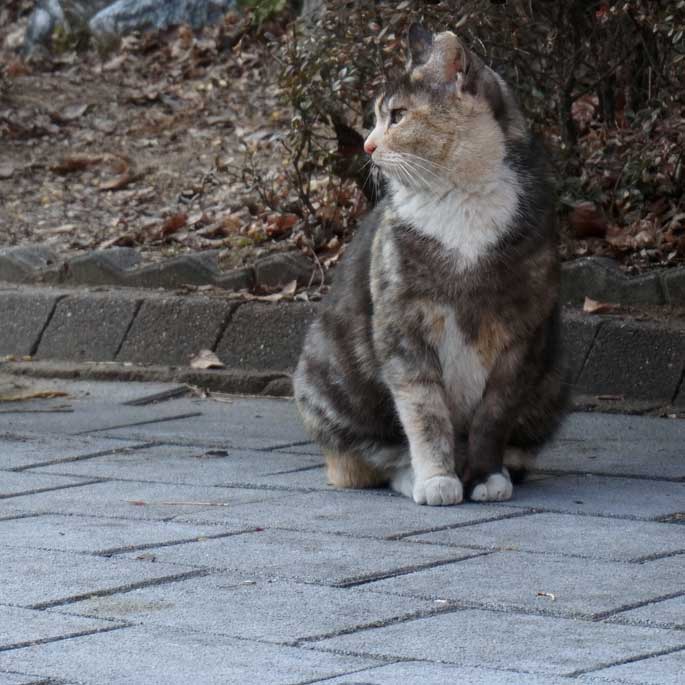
x,y
120,266
609,357
595,277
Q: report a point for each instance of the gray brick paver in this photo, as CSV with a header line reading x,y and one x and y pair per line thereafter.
x,y
172,657
520,642
667,669
584,536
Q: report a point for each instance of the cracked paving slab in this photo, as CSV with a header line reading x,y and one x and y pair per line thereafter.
x,y
242,605
314,557
583,536
520,642
22,626
31,577
534,583
163,656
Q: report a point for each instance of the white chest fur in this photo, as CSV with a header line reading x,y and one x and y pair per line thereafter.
x,y
463,373
463,220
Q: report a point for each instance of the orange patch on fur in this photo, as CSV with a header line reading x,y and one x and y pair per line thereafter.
x,y
493,337
349,471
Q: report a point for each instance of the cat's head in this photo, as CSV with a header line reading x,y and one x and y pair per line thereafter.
x,y
446,121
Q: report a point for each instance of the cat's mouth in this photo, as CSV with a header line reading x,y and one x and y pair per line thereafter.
x,y
411,170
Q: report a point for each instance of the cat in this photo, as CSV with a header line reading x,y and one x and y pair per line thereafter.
x,y
434,366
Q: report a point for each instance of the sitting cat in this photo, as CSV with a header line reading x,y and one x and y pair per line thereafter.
x,y
435,362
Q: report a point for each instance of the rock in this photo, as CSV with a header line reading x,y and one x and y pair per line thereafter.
x,y
104,17
278,270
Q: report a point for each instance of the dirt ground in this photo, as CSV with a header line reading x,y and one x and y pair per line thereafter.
x,y
174,142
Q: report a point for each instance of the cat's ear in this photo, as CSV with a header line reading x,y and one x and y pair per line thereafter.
x,y
474,77
420,42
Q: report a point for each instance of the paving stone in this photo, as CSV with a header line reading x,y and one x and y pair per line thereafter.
x,y
583,536
173,273
674,285
311,557
23,316
31,577
171,657
589,494
18,679
276,333
22,263
578,333
411,672
102,267
187,464
91,534
658,670
13,484
236,279
19,626
254,609
88,327
245,422
169,331
352,513
134,500
278,270
21,451
517,642
639,360
669,612
516,579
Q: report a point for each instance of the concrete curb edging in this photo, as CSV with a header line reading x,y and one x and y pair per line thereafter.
x,y
126,331
596,277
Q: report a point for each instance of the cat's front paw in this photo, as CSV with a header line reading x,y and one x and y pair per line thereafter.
x,y
438,491
496,488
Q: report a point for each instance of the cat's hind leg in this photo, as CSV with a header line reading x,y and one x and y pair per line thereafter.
x,y
349,470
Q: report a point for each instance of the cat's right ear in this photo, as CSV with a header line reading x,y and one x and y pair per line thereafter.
x,y
420,42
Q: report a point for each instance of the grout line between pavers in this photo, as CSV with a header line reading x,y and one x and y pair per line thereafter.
x,y
463,524
36,345
657,556
83,457
158,397
136,310
224,325
122,589
172,543
636,605
347,673
37,491
678,386
613,474
188,415
627,660
406,570
590,347
69,636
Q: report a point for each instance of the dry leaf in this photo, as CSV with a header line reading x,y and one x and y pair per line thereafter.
x,y
206,359
121,166
173,224
73,112
587,222
40,395
68,165
549,595
591,306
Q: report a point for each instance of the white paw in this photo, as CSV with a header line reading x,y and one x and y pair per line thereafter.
x,y
496,488
438,491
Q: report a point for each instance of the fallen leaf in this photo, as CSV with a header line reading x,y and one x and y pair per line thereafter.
x,y
586,221
73,112
617,398
591,306
206,359
68,165
549,595
121,166
40,395
173,224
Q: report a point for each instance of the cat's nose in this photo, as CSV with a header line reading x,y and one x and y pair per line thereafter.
x,y
369,146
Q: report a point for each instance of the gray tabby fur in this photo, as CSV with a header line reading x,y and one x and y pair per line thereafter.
x,y
436,359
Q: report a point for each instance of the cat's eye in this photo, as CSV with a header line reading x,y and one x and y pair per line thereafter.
x,y
396,115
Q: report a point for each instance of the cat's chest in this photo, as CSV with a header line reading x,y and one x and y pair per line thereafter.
x,y
464,366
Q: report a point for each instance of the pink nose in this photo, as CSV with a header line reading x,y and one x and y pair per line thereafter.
x,y
369,146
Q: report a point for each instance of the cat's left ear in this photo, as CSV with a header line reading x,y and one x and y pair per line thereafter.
x,y
474,77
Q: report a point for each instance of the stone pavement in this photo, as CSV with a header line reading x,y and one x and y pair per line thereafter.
x,y
150,536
